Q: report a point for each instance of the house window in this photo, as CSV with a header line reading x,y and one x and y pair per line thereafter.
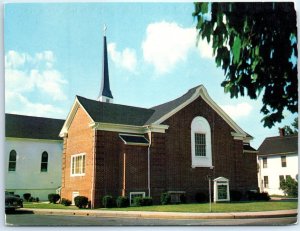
x,y
265,162
44,162
281,178
134,195
201,143
283,161
12,161
78,165
200,148
266,182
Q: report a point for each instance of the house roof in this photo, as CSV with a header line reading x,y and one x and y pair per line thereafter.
x,y
21,126
115,113
279,145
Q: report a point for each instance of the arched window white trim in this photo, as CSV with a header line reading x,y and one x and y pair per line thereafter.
x,y
201,143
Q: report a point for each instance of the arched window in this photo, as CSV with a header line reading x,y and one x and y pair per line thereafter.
x,y
12,163
201,143
44,162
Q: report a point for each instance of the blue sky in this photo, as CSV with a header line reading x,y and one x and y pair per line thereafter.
x,y
54,52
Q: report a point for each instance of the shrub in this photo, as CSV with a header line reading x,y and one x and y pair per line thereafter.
x,y
122,202
256,196
165,199
289,186
137,201
26,196
147,201
65,202
142,201
108,201
53,198
182,198
37,199
235,195
81,201
201,197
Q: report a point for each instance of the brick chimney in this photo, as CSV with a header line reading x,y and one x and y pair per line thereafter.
x,y
281,132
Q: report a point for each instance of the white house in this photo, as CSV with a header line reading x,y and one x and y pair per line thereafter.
x,y
33,152
277,159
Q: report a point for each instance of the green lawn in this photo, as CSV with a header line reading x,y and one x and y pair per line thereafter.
x,y
194,208
218,207
46,205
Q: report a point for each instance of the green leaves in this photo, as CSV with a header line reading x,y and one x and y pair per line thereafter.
x,y
236,49
255,48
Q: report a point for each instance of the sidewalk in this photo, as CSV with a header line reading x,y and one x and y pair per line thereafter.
x,y
165,215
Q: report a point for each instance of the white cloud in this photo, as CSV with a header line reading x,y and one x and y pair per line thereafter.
x,y
126,58
23,106
26,73
237,111
167,43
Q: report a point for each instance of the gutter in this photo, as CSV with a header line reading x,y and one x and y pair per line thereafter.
x,y
149,177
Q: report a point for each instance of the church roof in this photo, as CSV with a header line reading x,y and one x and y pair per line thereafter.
x,y
163,109
30,127
279,145
115,113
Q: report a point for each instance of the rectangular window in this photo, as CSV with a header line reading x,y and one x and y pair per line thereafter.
x,y
265,162
281,178
283,161
200,144
266,182
133,195
78,165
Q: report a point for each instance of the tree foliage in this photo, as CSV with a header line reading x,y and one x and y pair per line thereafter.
x,y
289,186
256,46
293,129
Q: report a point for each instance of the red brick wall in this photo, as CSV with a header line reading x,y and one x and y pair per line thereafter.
x,y
80,139
171,163
109,167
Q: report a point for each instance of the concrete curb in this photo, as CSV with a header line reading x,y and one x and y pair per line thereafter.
x,y
165,215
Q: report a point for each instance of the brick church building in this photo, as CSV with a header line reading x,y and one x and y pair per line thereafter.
x,y
112,149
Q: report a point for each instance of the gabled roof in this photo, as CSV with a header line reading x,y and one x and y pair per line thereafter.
x,y
115,113
101,112
164,109
30,127
279,145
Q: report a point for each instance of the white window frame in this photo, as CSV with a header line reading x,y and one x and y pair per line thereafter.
x,y
74,194
135,193
81,167
200,125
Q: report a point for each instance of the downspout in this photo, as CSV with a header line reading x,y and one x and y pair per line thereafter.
x,y
149,152
94,171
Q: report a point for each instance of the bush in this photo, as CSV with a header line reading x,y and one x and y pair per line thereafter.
x,y
201,197
53,198
81,201
235,195
182,198
142,201
26,196
122,202
165,199
37,199
289,186
256,196
147,201
65,202
108,201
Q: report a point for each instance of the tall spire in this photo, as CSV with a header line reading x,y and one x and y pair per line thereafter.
x,y
105,93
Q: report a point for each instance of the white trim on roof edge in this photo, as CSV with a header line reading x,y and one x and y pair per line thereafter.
x,y
70,117
129,128
201,91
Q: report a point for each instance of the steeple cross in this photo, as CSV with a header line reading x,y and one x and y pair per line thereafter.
x,y
104,30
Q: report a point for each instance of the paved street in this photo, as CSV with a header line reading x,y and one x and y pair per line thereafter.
x,y
29,219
